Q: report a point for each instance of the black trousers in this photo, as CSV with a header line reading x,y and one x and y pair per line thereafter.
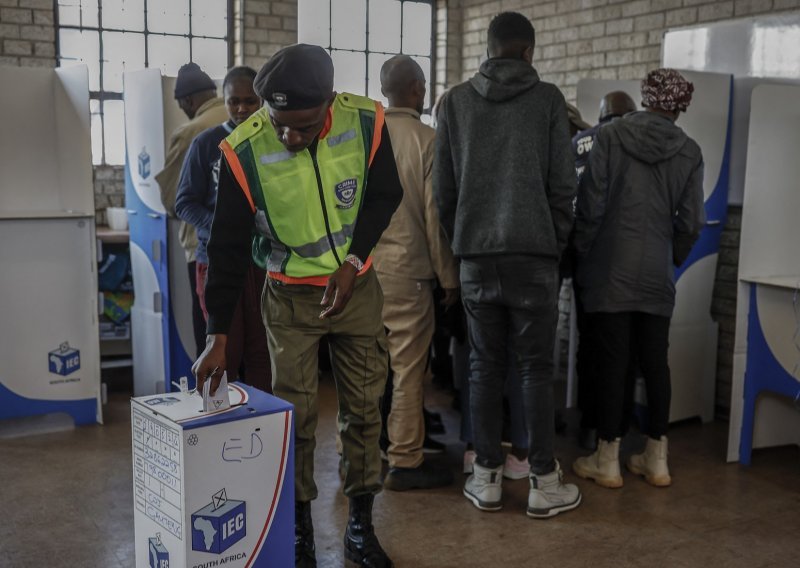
x,y
585,366
624,342
198,321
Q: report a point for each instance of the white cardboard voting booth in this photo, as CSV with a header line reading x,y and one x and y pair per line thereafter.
x,y
215,488
693,334
161,316
50,343
759,51
766,352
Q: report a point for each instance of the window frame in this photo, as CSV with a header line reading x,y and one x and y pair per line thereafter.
x,y
102,95
367,52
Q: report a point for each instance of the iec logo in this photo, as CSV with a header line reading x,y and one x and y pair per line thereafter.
x,y
219,525
159,557
64,360
346,193
144,164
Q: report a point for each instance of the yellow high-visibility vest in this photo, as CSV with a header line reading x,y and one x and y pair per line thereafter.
x,y
306,205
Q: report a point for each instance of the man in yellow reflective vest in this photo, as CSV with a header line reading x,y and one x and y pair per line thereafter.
x,y
308,186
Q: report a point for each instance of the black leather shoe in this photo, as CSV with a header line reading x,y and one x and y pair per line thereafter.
x,y
361,546
433,422
304,550
587,439
424,476
431,446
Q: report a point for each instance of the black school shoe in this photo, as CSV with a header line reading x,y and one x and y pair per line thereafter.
x,y
431,446
424,476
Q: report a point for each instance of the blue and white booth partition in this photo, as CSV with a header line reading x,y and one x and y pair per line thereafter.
x,y
765,398
214,488
693,334
161,317
49,344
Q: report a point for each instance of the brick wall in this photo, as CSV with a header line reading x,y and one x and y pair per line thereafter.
x,y
723,307
262,28
109,190
27,36
447,45
601,39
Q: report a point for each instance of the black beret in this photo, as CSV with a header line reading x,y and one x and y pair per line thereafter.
x,y
297,77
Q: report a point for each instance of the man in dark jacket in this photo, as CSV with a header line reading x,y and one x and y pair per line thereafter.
x,y
639,211
504,180
613,105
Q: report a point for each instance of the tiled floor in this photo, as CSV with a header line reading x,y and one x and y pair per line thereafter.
x,y
66,502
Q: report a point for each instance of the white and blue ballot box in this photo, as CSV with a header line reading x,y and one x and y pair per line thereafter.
x,y
213,488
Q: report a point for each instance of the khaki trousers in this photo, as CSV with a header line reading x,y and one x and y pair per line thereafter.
x,y
409,316
359,357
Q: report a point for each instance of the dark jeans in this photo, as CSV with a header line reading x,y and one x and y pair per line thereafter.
x,y
625,341
511,305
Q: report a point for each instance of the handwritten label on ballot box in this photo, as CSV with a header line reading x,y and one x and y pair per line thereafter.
x,y
213,483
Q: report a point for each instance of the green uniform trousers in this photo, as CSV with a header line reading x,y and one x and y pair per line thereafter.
x,y
360,364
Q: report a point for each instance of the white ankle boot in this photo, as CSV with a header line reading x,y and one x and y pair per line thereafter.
x,y
602,466
549,495
484,488
652,464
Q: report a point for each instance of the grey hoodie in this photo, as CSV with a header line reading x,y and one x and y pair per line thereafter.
x,y
504,176
639,211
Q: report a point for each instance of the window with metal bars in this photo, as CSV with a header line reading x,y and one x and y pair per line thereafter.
x,y
362,34
113,36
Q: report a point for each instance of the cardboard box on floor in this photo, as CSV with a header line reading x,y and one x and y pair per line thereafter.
x,y
213,488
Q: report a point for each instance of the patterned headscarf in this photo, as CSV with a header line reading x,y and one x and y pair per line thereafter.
x,y
666,89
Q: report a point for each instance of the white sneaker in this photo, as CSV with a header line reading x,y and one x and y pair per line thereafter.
x,y
516,468
484,488
549,495
469,459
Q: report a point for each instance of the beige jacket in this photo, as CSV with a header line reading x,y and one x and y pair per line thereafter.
x,y
414,245
211,113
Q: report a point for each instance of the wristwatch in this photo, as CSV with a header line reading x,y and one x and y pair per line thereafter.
x,y
355,261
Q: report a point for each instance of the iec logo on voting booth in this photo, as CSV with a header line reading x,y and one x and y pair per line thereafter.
x,y
64,360
144,164
219,525
159,557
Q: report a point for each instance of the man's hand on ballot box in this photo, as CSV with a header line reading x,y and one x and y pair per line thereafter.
x,y
211,362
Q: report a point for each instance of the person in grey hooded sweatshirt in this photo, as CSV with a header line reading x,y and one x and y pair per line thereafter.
x,y
504,180
639,211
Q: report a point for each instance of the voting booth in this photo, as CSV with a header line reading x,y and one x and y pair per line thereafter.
x,y
759,52
213,488
765,399
161,316
50,340
693,334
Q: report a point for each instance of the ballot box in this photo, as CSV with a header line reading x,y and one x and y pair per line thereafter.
x,y
213,488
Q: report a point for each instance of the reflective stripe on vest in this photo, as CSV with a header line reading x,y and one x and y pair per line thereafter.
x,y
306,206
